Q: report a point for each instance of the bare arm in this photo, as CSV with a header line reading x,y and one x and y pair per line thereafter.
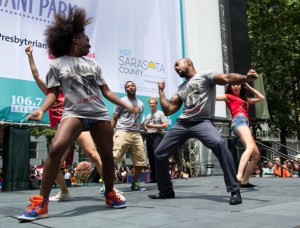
x,y
221,98
157,126
114,120
258,96
34,70
168,107
232,78
49,101
112,97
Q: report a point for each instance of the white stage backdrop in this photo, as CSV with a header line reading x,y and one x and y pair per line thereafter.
x,y
136,40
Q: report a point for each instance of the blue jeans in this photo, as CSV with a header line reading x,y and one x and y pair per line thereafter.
x,y
87,123
238,121
209,136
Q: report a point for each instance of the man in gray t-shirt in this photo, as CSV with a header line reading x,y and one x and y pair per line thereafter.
x,y
154,124
198,94
127,135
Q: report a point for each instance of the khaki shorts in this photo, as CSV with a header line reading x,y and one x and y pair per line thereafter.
x,y
133,143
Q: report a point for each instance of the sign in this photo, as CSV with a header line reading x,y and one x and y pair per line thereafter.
x,y
131,40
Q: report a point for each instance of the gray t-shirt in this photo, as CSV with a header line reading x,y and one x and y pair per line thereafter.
x,y
128,121
199,96
79,79
157,117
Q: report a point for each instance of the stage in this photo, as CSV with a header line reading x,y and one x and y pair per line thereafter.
x,y
199,202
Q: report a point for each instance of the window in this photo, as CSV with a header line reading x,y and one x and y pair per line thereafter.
x,y
33,150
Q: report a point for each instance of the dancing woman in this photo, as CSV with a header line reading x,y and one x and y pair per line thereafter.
x,y
82,83
84,140
238,104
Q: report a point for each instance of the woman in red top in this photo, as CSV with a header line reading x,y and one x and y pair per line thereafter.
x,y
238,104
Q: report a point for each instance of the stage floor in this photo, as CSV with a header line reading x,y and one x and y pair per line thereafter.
x,y
199,202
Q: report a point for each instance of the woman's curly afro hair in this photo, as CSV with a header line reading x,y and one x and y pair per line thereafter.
x,y
60,34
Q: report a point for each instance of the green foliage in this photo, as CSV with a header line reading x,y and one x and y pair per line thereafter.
x,y
47,132
274,30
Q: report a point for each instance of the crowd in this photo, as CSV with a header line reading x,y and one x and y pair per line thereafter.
x,y
277,169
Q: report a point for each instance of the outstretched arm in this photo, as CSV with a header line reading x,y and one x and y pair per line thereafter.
x,y
168,107
232,78
111,96
258,96
34,70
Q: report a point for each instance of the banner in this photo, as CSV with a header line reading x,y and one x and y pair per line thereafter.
x,y
261,108
134,40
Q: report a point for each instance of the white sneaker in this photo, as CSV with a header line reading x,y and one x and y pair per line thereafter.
x,y
119,193
60,197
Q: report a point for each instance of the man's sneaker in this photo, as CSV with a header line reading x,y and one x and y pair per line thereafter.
x,y
36,210
60,196
135,186
115,200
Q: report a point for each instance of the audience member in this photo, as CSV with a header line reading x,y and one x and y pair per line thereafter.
x,y
280,171
269,170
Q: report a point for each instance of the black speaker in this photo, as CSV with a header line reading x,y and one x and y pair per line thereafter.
x,y
237,34
239,50
16,158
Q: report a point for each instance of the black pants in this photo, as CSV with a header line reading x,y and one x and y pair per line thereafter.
x,y
209,136
152,143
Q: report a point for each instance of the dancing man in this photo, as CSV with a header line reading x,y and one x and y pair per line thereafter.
x,y
198,94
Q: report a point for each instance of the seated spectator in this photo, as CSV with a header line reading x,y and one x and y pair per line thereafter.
x,y
131,170
123,174
33,180
279,171
256,171
269,170
184,174
174,171
291,166
297,170
118,177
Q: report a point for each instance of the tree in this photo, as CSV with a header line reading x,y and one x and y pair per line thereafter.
x,y
47,132
274,33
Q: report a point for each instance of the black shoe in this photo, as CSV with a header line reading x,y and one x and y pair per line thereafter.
x,y
248,185
235,198
151,181
163,195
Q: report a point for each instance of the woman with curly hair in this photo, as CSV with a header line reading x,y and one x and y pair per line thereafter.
x,y
238,105
84,140
84,110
